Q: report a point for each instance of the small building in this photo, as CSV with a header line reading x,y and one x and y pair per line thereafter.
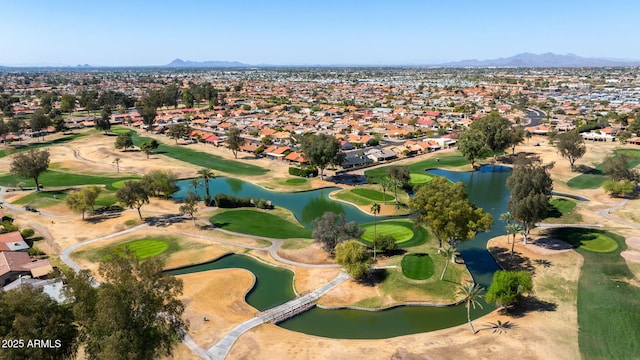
x,y
14,264
13,241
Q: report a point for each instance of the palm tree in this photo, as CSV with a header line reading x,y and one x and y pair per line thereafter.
x,y
384,184
396,184
513,229
449,254
117,162
472,293
206,174
195,183
507,217
375,209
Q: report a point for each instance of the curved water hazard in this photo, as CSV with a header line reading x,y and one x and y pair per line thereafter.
x,y
305,205
273,286
486,188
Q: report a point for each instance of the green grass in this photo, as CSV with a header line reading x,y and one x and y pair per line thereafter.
x,y
594,240
36,145
417,266
596,177
143,248
296,181
419,167
608,306
562,206
40,196
363,196
419,179
202,159
147,248
372,194
259,223
563,211
399,232
403,231
58,178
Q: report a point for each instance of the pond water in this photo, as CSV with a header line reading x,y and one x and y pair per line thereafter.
x,y
305,205
273,287
486,188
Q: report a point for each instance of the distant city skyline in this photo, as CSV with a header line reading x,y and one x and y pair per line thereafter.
x,y
376,32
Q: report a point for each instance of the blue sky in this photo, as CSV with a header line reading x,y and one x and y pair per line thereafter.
x,y
374,32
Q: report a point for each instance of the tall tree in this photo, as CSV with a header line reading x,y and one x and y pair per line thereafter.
x,y
331,229
375,210
103,122
4,131
508,287
353,256
178,131
124,141
67,103
322,150
530,186
83,200
449,253
571,146
39,122
148,147
30,164
206,174
517,137
160,183
188,98
234,141
399,176
447,211
472,145
27,314
619,168
134,314
190,206
471,293
147,106
497,131
117,162
134,194
513,229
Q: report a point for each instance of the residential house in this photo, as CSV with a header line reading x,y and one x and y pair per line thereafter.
x,y
13,241
14,264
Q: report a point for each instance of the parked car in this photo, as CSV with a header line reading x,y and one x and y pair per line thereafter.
x,y
30,208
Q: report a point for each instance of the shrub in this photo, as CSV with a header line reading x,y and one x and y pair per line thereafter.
x,y
306,172
386,243
34,251
228,201
27,233
619,188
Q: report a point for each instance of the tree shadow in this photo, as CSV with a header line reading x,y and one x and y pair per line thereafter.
x,y
543,262
529,304
586,169
376,276
500,327
394,252
96,219
513,262
166,220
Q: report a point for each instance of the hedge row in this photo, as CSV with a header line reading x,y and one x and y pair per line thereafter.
x,y
228,201
306,172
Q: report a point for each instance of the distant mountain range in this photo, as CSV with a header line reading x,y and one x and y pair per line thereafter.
x,y
179,63
542,60
517,61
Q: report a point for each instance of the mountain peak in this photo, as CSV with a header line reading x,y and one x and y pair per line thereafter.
x,y
204,64
542,60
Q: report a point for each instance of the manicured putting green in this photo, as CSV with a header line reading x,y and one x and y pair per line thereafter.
x,y
259,223
372,194
588,239
147,248
402,232
296,181
563,206
420,178
417,266
118,184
